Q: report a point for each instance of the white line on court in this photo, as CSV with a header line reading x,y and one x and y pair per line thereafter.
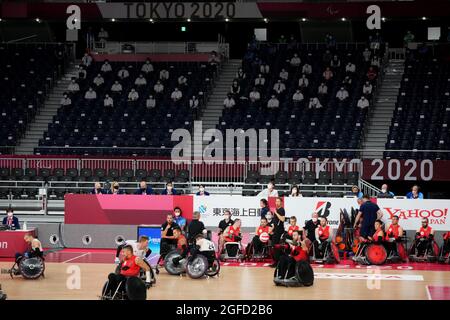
x,y
428,292
81,255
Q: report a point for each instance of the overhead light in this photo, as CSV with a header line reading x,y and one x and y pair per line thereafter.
x,y
188,20
343,19
38,20
266,20
151,20
1,19
384,19
424,18
226,19
303,19
113,20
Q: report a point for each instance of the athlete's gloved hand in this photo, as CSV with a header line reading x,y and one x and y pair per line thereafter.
x,y
176,261
148,285
116,260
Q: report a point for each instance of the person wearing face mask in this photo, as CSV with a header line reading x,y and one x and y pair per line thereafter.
x,y
363,103
66,101
223,225
169,190
144,189
414,193
73,86
269,191
385,193
108,101
90,95
295,192
178,218
264,207
10,221
115,188
98,189
310,227
201,191
279,216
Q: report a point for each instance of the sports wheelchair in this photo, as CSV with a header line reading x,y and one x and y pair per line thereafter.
x,y
196,264
424,250
232,250
266,249
132,288
397,253
324,252
444,253
370,254
29,268
304,276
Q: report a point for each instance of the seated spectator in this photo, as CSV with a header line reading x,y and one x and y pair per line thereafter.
x,y
98,189
240,75
314,103
194,102
176,95
363,102
201,191
284,75
229,101
350,68
115,188
342,94
279,87
298,97
164,75
264,68
326,58
367,89
270,191
414,193
335,62
123,73
307,69
295,61
366,55
158,87
355,192
66,101
106,67
235,89
375,62
140,81
147,67
108,101
169,190
322,90
347,82
116,87
385,193
150,102
327,74
182,80
303,82
295,192
254,96
98,80
103,35
133,95
73,86
260,81
82,73
10,220
213,60
273,102
90,94
86,60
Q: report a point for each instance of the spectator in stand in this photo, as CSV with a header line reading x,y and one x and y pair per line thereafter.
x,y
367,89
297,98
182,81
371,74
123,73
144,189
158,87
306,69
98,189
164,75
115,188
327,74
342,94
240,75
193,105
284,75
10,220
330,40
213,60
98,80
108,101
90,94
355,192
270,191
254,97
314,103
408,38
414,193
295,191
264,68
201,191
335,62
303,82
273,102
103,35
176,96
295,61
229,101
326,58
133,95
347,82
366,55
322,90
140,81
150,103
235,89
147,67
260,81
350,68
375,62
279,87
82,72
385,193
73,86
169,190
363,103
66,101
116,87
106,67
86,60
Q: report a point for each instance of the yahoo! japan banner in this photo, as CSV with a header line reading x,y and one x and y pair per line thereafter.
x,y
411,212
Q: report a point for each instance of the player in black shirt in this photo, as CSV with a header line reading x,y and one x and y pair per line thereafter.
x,y
168,241
223,224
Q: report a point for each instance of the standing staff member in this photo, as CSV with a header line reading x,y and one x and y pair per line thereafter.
x,y
279,217
223,225
369,212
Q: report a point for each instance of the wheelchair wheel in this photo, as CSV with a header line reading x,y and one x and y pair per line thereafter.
x,y
402,251
376,254
214,269
103,295
335,252
32,268
196,266
170,267
304,273
135,289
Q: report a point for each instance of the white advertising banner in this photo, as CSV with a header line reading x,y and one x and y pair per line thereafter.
x,y
411,212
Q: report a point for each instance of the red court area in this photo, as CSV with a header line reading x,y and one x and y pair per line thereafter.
x,y
75,255
438,292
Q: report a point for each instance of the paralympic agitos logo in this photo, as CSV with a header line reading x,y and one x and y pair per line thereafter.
x,y
435,216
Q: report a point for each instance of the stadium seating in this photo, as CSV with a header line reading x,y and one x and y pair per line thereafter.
x,y
422,114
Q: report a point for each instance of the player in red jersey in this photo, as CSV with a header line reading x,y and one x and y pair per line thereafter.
x,y
394,234
323,235
182,245
297,251
445,251
256,241
233,233
424,237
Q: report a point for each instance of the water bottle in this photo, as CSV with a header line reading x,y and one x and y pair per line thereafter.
x,y
25,226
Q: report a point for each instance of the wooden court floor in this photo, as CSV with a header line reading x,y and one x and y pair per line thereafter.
x,y
233,283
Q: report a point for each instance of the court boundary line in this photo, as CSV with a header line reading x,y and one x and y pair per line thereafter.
x,y
82,255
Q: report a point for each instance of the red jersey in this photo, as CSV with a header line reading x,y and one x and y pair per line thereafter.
x,y
262,230
446,235
129,267
233,233
292,229
377,234
299,254
392,232
425,233
324,233
180,243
